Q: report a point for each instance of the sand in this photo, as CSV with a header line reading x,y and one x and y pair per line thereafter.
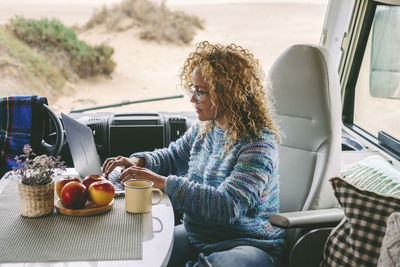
x,y
150,69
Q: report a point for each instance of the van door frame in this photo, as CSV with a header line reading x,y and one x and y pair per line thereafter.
x,y
350,63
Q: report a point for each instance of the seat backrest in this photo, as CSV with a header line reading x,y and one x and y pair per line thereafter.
x,y
306,91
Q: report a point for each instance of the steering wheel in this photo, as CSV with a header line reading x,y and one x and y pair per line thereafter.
x,y
53,149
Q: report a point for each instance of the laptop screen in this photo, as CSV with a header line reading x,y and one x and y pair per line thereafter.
x,y
83,151
82,147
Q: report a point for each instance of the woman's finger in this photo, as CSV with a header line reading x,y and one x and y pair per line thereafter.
x,y
130,173
106,165
111,164
107,162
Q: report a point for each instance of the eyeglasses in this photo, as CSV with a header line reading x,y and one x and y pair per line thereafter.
x,y
197,94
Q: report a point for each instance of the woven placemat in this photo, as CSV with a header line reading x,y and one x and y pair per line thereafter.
x,y
115,235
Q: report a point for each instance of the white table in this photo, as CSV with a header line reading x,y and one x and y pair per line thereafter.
x,y
158,231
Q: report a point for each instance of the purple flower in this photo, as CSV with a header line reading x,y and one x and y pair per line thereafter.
x,y
27,149
36,170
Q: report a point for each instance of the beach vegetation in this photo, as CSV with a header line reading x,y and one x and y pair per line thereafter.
x,y
155,22
24,71
62,47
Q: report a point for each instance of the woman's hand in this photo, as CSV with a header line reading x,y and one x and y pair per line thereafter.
x,y
135,172
110,163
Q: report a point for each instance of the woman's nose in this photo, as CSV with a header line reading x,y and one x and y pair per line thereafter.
x,y
193,99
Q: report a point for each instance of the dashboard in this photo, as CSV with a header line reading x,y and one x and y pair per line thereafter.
x,y
127,133
121,134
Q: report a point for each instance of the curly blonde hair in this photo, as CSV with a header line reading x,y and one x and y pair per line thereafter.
x,y
237,89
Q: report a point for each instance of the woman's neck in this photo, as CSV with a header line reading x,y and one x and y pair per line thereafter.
x,y
221,122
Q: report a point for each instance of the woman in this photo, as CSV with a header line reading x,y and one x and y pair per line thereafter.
x,y
223,173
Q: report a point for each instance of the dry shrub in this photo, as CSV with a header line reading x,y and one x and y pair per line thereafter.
x,y
24,70
157,23
97,18
43,56
61,45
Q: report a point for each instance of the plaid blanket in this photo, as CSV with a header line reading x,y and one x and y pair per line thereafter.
x,y
21,122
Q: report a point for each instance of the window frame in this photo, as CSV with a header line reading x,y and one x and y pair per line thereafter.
x,y
350,63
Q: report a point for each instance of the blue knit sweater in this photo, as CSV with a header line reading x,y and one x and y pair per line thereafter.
x,y
226,198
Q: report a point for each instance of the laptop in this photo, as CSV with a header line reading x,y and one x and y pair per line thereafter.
x,y
84,154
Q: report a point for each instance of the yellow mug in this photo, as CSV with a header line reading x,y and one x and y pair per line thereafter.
x,y
139,195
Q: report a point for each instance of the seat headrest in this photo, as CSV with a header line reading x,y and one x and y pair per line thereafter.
x,y
306,93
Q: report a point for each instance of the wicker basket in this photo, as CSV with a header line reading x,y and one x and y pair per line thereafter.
x,y
36,200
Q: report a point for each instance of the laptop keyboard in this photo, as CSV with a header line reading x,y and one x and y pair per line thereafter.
x,y
113,177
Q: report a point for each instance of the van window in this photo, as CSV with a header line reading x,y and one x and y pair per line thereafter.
x,y
372,95
146,68
385,56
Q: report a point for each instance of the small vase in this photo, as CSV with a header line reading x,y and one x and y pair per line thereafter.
x,y
36,200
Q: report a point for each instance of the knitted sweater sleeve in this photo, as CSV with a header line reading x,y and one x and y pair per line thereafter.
x,y
236,195
174,159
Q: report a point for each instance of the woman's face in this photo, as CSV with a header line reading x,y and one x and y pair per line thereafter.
x,y
205,110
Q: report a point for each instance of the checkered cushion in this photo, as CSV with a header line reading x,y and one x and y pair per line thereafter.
x,y
357,240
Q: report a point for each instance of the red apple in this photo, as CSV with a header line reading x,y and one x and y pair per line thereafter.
x,y
102,192
60,184
74,195
88,180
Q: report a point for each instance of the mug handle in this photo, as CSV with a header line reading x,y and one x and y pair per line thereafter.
x,y
161,196
161,225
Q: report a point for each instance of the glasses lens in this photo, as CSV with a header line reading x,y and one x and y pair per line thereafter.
x,y
195,94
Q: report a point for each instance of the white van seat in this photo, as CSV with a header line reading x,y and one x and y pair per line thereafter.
x,y
306,90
